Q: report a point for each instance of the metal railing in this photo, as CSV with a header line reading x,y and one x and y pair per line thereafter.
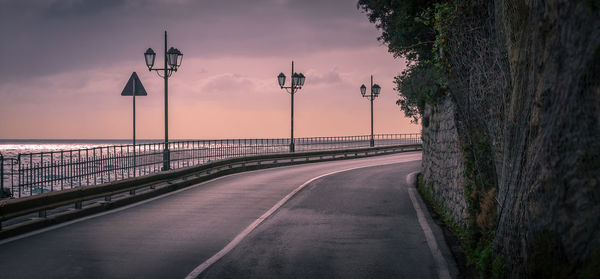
x,y
36,173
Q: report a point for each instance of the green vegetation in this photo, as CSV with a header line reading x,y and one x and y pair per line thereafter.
x,y
478,250
418,31
458,230
404,35
481,195
480,189
418,85
498,268
488,265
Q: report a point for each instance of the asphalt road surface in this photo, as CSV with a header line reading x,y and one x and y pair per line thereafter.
x,y
354,224
171,235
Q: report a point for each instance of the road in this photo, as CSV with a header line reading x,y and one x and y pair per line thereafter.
x,y
353,224
171,235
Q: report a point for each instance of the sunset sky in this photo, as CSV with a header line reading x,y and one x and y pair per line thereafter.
x,y
66,62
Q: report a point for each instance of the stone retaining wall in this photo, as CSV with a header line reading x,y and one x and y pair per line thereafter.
x,y
443,162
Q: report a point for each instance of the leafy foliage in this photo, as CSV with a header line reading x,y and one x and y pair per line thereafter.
x,y
478,250
419,84
416,30
439,17
399,30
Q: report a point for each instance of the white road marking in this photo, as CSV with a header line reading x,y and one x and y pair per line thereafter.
x,y
203,266
440,261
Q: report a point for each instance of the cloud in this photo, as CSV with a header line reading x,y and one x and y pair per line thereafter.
x,y
70,35
80,8
329,78
228,84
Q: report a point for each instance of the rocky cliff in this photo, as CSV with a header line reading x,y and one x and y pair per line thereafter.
x,y
520,130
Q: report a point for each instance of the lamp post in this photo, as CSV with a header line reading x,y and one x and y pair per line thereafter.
x,y
173,59
296,84
375,88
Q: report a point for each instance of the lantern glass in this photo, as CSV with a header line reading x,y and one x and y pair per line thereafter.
x,y
295,78
179,57
172,57
376,89
149,55
301,79
281,79
363,90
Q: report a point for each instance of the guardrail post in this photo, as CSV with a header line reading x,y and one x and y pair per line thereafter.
x,y
132,192
1,178
78,205
42,214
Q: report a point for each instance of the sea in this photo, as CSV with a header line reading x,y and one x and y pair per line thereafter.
x,y
40,167
11,148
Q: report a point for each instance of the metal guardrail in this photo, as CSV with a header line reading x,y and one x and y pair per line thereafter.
x,y
7,176
37,173
163,182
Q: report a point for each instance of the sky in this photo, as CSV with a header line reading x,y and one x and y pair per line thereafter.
x,y
65,63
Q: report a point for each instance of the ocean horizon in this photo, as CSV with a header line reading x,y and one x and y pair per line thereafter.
x,y
2,141
11,148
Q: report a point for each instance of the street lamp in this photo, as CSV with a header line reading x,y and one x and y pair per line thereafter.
x,y
373,94
173,58
296,84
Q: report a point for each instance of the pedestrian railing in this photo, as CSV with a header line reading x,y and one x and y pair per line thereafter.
x,y
36,173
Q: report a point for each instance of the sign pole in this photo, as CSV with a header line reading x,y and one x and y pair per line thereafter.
x,y
132,88
134,158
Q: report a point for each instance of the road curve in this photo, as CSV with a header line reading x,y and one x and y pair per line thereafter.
x,y
361,223
165,237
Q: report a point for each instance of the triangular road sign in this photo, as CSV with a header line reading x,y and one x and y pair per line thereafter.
x,y
139,88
